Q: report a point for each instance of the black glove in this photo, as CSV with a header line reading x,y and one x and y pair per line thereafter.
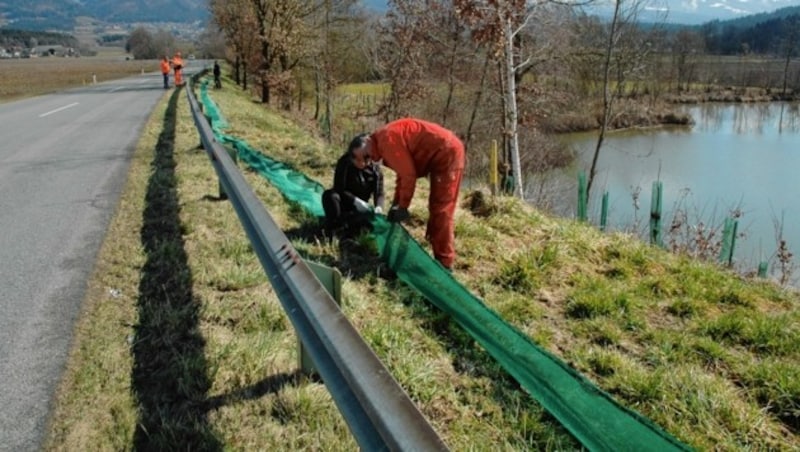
x,y
397,214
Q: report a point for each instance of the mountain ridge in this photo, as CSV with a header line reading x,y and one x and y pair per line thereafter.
x,y
61,14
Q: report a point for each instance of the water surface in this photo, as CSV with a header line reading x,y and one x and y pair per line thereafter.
x,y
736,157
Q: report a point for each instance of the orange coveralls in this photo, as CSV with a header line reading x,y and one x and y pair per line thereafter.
x,y
165,71
413,148
177,64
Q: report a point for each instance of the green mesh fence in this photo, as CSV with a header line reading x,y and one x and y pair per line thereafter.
x,y
292,184
589,413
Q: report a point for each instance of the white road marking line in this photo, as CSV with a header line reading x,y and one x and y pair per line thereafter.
x,y
59,109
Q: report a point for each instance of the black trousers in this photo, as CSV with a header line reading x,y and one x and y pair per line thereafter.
x,y
341,216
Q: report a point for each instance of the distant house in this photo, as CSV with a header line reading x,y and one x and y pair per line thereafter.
x,y
52,50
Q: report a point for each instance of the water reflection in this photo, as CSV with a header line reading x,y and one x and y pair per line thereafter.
x,y
789,118
743,156
756,119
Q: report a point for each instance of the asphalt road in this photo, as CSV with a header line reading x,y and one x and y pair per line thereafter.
x,y
63,162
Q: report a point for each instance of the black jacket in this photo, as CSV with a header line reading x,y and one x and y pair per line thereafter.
x,y
351,182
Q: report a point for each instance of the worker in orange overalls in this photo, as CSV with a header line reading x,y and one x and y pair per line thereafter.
x,y
177,66
165,71
414,148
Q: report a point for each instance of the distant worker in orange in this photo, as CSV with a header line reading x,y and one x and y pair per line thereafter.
x,y
414,148
177,66
165,68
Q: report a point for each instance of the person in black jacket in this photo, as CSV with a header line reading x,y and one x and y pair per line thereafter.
x,y
217,75
346,205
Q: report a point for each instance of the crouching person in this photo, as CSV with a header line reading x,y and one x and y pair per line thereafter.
x,y
346,205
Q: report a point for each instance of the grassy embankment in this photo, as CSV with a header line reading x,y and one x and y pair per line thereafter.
x,y
183,345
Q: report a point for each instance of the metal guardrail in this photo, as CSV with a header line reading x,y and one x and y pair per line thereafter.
x,y
379,413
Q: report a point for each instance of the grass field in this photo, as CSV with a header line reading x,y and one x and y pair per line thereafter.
x,y
34,76
183,344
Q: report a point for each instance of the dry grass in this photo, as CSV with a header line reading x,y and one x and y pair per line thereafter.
x,y
34,76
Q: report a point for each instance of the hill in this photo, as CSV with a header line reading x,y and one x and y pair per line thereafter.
x,y
755,19
60,15
766,33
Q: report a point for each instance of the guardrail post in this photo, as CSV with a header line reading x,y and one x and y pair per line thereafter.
x,y
232,153
200,146
331,279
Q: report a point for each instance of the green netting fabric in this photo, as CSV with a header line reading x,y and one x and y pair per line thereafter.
x,y
218,123
292,184
590,414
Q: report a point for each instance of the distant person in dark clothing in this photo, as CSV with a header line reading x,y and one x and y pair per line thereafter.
x,y
217,74
506,179
346,205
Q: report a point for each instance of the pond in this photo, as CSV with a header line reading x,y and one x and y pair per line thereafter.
x,y
740,158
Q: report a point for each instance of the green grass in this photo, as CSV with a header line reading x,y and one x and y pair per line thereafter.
x,y
709,356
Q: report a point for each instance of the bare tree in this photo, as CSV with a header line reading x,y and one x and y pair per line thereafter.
x,y
402,55
477,102
586,54
791,41
521,35
212,42
685,45
164,42
625,54
236,19
140,44
284,29
452,55
329,53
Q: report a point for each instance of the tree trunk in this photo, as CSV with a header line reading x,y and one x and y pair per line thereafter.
x,y
791,44
236,67
265,55
451,79
477,103
607,98
317,93
513,114
326,76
